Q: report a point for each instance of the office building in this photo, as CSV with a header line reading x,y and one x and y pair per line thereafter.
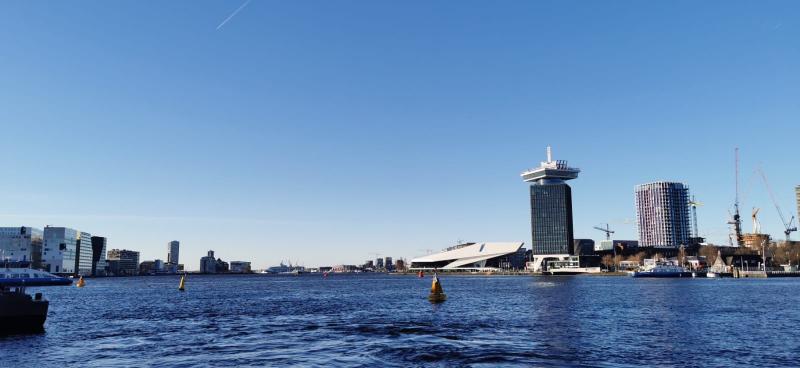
x,y
123,262
208,264
471,257
388,264
551,210
173,250
98,256
22,244
379,263
662,214
84,253
59,251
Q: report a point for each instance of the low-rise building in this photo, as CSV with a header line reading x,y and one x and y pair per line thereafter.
x,y
469,257
123,262
240,267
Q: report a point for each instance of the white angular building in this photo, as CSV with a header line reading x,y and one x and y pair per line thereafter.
x,y
470,257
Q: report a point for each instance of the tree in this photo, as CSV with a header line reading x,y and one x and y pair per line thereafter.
x,y
710,252
608,261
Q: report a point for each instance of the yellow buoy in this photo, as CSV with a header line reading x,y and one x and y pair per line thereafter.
x,y
437,294
183,281
81,283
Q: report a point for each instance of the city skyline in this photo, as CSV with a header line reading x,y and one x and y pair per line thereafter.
x,y
317,135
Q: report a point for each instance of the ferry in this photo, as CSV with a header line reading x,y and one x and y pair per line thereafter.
x,y
20,312
663,270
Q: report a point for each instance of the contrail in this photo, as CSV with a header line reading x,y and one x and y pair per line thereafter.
x,y
233,14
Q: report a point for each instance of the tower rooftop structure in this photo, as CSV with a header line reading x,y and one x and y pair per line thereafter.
x,y
550,171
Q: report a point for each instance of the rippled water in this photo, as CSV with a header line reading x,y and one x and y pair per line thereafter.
x,y
356,320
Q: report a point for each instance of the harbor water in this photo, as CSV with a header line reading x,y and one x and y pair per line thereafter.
x,y
383,320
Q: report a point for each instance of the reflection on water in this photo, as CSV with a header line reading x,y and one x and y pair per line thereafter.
x,y
356,320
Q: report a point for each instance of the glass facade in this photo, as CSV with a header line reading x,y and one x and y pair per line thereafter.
x,y
21,244
173,252
59,253
125,262
551,218
98,256
84,254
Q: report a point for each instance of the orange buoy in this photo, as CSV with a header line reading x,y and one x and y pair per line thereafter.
x,y
437,293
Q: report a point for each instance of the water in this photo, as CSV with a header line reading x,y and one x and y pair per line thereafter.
x,y
360,320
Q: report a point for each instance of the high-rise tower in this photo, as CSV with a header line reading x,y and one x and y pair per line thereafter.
x,y
662,213
551,210
173,251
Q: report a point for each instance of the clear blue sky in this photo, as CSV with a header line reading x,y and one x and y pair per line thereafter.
x,y
322,131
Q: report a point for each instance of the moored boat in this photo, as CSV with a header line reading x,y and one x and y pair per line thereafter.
x,y
663,270
19,312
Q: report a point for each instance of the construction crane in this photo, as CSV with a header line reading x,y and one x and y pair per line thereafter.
x,y
605,230
736,221
787,226
756,223
694,204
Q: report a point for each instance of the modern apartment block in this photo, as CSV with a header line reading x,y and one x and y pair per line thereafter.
x,y
173,252
59,252
662,213
797,194
551,210
123,262
84,253
98,256
22,244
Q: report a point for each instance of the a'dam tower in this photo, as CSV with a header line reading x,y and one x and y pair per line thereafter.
x,y
551,210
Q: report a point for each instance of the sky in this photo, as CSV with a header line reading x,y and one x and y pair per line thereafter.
x,y
330,132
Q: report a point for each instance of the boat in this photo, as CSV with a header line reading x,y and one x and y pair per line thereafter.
x,y
286,269
20,312
663,270
570,266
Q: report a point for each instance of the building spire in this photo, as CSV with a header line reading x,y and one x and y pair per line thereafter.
x,y
549,154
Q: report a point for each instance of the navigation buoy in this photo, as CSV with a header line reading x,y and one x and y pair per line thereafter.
x,y
81,283
437,294
182,283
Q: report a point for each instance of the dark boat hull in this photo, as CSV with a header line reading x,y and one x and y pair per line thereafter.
x,y
19,313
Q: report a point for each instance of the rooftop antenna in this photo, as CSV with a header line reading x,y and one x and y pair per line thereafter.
x,y
549,154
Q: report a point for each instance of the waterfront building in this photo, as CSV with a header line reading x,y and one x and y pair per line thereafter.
x,y
208,264
59,253
147,268
369,264
551,210
173,251
583,247
22,244
470,257
608,245
379,263
84,253
240,267
662,214
400,265
98,256
123,262
388,263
